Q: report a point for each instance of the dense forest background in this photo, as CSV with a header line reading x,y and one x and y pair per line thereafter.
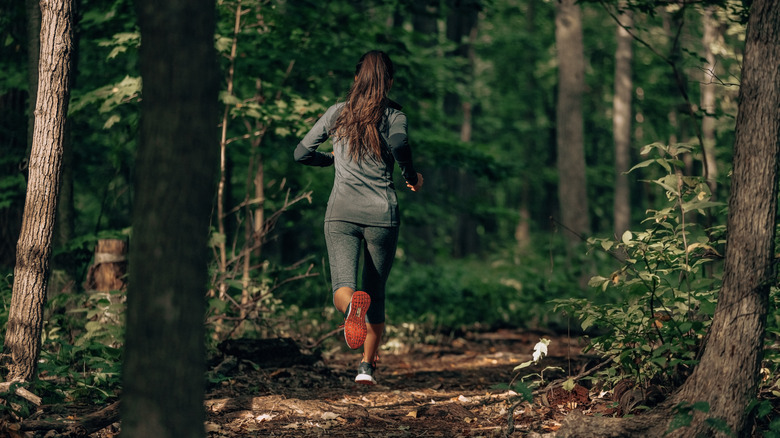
x,y
484,245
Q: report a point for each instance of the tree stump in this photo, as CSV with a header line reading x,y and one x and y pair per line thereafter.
x,y
109,269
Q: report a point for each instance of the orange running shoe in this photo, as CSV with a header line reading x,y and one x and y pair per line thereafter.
x,y
355,322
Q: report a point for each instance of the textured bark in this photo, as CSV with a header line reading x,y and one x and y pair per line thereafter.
x,y
175,185
727,375
621,123
572,194
33,251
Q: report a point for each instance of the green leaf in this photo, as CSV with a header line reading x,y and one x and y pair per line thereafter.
x,y
524,391
588,322
641,165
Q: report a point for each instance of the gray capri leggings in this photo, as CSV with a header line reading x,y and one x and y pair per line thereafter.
x,y
343,240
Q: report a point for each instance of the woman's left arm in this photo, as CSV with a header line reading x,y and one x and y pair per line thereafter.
x,y
306,151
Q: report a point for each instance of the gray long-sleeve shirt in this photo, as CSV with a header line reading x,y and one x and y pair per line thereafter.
x,y
364,192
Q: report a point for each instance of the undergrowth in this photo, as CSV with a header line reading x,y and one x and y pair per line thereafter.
x,y
669,275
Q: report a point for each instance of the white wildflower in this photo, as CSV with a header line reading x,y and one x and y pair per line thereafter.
x,y
540,349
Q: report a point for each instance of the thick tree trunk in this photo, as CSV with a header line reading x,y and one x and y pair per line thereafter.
x,y
33,251
572,194
164,366
175,184
621,123
727,375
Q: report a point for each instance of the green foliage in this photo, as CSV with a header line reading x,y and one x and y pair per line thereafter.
x,y
12,184
293,59
460,293
81,351
6,291
667,280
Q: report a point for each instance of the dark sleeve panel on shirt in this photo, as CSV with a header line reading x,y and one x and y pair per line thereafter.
x,y
402,152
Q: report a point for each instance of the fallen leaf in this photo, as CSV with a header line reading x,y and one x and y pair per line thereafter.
x,y
330,416
264,417
212,427
551,427
412,414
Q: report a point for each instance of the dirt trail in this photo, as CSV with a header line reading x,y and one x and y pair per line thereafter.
x,y
441,390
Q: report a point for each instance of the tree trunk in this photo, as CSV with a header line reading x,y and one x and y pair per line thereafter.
x,y
572,192
621,124
33,251
708,98
33,8
175,184
462,25
223,187
425,14
727,375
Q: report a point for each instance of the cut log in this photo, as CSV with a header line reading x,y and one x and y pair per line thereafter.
x,y
109,269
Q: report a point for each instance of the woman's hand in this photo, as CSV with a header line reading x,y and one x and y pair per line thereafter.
x,y
418,186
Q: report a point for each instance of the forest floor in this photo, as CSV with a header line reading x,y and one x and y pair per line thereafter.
x,y
438,388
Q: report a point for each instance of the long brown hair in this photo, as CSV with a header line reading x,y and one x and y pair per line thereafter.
x,y
365,106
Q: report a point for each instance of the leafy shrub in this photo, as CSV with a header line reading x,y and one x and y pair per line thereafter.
x,y
485,292
667,277
82,346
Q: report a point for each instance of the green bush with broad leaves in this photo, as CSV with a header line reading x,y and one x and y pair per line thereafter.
x,y
82,346
669,278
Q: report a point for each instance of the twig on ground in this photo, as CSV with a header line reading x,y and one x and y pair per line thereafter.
x,y
21,392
